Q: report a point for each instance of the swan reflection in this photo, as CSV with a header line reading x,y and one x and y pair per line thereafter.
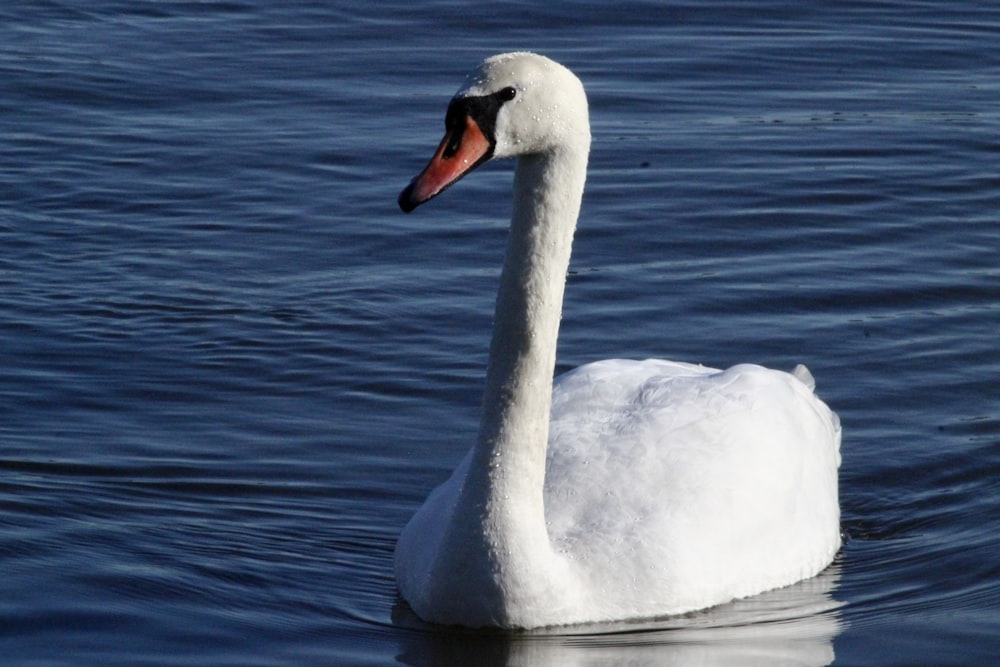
x,y
795,625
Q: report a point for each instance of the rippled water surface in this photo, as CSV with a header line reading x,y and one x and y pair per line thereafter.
x,y
231,369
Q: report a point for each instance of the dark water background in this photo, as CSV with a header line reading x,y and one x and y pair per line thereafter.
x,y
230,369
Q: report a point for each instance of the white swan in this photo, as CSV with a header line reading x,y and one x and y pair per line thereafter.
x,y
624,489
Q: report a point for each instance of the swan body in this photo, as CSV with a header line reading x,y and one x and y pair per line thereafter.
x,y
622,489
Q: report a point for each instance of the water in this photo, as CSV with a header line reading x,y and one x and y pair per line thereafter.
x,y
231,369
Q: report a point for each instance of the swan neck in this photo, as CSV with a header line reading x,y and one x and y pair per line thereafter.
x,y
514,429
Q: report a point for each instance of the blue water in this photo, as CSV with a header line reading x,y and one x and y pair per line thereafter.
x,y
231,369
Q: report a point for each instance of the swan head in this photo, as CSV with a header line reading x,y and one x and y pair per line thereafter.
x,y
513,104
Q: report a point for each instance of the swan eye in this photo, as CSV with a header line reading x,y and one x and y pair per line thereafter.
x,y
507,94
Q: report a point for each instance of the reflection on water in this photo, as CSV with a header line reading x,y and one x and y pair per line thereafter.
x,y
795,625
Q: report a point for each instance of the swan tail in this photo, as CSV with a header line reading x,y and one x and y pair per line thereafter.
x,y
803,375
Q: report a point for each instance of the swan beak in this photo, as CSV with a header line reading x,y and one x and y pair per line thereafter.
x,y
463,148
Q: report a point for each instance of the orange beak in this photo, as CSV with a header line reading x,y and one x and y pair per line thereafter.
x,y
463,148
